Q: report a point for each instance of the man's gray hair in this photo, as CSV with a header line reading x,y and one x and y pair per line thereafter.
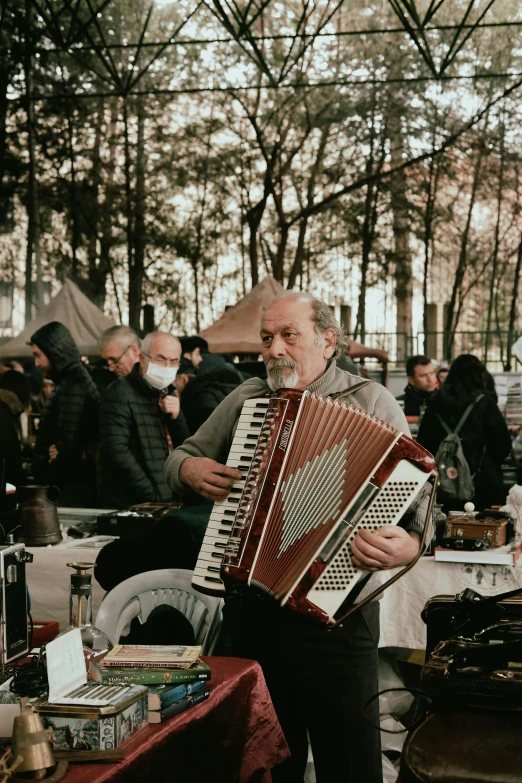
x,y
148,339
123,335
323,316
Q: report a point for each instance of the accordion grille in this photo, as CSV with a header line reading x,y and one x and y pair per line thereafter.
x,y
335,450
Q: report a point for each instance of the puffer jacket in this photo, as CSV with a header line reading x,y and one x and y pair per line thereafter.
x,y
133,443
70,417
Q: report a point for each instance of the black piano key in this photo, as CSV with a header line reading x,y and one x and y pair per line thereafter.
x,y
251,437
249,445
214,569
218,554
213,579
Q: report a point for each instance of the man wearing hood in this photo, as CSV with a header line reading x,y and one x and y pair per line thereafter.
x,y
64,452
140,424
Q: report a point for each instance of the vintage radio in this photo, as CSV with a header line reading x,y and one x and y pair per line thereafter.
x,y
492,530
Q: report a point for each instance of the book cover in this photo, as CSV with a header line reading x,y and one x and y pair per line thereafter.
x,y
159,716
502,555
162,696
155,656
113,674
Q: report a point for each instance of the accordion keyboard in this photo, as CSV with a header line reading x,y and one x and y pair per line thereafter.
x,y
219,530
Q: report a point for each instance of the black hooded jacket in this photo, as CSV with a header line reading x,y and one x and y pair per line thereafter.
x,y
70,417
133,443
485,438
204,393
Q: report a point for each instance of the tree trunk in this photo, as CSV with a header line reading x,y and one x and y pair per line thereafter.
x,y
137,274
452,319
33,211
253,217
96,274
134,318
401,229
106,238
513,308
494,264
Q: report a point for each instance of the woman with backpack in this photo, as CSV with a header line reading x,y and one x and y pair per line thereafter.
x,y
467,399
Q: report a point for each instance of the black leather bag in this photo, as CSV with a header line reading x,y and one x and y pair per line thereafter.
x,y
467,613
474,691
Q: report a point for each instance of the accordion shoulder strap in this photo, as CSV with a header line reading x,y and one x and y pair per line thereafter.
x,y
351,390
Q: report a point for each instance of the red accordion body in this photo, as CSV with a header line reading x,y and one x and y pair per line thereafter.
x,y
319,471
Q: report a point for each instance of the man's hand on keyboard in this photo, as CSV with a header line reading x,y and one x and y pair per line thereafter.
x,y
207,477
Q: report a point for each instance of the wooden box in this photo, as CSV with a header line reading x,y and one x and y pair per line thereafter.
x,y
492,530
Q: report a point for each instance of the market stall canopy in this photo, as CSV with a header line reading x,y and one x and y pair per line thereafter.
x,y
71,307
237,331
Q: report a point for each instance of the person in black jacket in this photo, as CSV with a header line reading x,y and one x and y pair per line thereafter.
x,y
485,438
422,382
64,452
140,422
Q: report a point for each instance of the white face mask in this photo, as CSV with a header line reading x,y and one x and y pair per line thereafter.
x,y
160,377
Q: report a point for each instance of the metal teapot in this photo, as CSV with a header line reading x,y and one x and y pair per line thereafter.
x,y
38,516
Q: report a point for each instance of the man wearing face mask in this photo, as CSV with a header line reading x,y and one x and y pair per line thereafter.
x,y
140,424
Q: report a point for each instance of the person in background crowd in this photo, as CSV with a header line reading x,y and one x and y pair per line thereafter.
x,y
422,382
300,338
140,422
64,452
47,390
485,438
14,381
442,374
206,361
191,349
15,400
203,393
119,349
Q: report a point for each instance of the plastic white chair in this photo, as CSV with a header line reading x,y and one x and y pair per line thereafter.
x,y
139,595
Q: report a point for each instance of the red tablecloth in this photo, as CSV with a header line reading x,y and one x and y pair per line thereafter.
x,y
232,737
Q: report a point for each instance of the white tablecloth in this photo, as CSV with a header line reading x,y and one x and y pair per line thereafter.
x,y
402,603
49,578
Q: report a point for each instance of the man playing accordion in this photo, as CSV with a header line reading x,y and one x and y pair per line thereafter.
x,y
319,680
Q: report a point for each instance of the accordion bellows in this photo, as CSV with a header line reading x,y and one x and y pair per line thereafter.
x,y
313,472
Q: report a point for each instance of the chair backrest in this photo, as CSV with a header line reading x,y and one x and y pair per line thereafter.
x,y
139,595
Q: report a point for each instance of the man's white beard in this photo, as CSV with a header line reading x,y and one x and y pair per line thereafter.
x,y
276,376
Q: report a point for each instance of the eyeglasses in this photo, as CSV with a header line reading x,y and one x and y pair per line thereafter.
x,y
114,362
162,360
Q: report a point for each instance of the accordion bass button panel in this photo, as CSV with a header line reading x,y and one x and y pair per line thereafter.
x,y
218,536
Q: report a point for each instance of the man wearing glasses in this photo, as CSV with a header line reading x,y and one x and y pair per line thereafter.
x,y
140,424
119,349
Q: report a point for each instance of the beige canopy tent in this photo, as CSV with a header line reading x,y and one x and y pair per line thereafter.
x,y
71,307
237,331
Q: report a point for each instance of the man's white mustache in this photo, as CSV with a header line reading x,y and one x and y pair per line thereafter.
x,y
281,364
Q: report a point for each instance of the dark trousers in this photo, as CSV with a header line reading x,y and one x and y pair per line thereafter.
x,y
319,682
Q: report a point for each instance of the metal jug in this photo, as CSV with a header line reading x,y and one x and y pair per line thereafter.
x,y
38,517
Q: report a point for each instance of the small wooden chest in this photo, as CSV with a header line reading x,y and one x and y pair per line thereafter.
x,y
492,530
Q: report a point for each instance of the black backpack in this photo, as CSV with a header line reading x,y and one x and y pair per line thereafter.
x,y
455,477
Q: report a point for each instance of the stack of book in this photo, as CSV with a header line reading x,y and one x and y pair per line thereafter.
x,y
176,676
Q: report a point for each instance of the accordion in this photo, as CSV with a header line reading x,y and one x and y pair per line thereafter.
x,y
313,472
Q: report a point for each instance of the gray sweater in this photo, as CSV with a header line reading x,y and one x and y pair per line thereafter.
x,y
214,437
